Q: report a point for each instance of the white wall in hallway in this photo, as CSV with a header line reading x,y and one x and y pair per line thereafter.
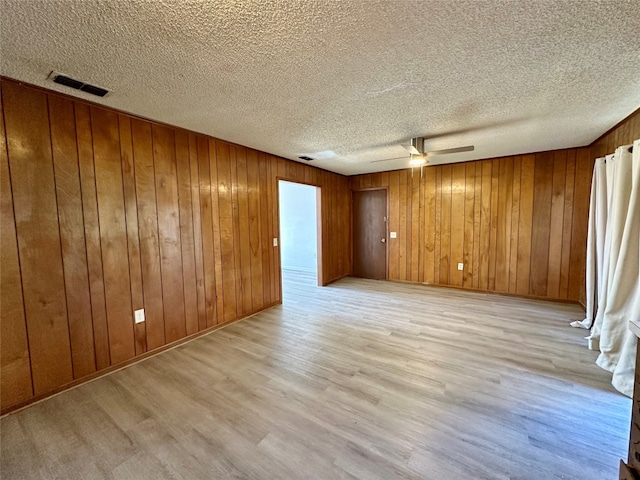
x,y
298,229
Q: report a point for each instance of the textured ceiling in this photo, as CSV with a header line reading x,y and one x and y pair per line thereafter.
x,y
355,78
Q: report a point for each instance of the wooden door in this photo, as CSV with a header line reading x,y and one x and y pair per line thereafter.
x,y
370,234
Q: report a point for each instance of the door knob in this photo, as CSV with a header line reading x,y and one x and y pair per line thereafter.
x,y
383,240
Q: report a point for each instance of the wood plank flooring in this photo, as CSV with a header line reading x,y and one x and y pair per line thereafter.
x,y
360,379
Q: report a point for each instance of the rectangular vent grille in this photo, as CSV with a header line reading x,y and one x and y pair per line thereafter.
x,y
93,90
304,157
68,82
77,84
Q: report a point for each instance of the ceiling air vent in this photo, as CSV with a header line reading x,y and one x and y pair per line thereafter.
x,y
304,157
77,84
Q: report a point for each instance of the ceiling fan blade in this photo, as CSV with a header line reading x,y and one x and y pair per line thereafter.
x,y
468,148
389,159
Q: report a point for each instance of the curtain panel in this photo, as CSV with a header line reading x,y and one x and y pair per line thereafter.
x,y
613,263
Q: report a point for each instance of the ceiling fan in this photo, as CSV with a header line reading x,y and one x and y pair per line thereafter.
x,y
419,157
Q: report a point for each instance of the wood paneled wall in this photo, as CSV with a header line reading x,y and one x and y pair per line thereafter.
x,y
622,134
104,213
518,224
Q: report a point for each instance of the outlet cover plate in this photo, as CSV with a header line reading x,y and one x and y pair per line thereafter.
x,y
139,315
461,266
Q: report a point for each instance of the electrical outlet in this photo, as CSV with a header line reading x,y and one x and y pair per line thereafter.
x,y
461,266
392,235
139,315
275,242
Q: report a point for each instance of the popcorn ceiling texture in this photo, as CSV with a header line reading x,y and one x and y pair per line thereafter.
x,y
355,77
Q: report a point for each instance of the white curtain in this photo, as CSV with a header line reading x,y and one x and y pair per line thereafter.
x,y
613,277
598,209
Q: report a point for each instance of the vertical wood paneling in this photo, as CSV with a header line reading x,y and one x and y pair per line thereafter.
x,y
205,168
15,381
342,217
477,211
243,232
517,223
523,266
394,225
623,134
71,225
421,232
437,226
503,223
469,208
113,232
255,231
366,181
328,256
580,221
542,196
458,222
485,225
115,187
414,258
36,216
148,233
92,236
402,230
133,240
236,151
569,202
512,261
197,230
187,243
493,223
556,226
115,213
226,231
164,160
265,219
429,224
405,224
217,294
445,218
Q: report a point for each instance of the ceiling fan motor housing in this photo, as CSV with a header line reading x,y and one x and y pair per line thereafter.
x,y
418,144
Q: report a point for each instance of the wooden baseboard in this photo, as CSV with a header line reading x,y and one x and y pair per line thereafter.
x,y
493,292
126,364
340,277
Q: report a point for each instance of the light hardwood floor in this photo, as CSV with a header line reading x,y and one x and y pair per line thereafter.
x,y
360,379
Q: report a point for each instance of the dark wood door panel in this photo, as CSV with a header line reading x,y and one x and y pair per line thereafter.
x,y
370,234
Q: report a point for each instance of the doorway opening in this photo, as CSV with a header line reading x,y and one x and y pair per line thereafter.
x,y
299,235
